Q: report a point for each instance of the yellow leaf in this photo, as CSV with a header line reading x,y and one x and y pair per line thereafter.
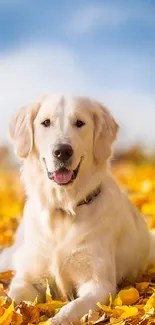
x,y
3,300
30,313
128,311
117,312
142,286
47,308
110,300
58,304
7,312
117,321
17,318
128,296
48,293
117,301
104,308
1,287
6,275
52,305
8,321
151,270
150,304
34,303
2,310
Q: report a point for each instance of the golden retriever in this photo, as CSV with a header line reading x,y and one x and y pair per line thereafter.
x,y
79,231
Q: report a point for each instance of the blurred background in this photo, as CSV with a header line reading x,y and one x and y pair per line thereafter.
x,y
101,48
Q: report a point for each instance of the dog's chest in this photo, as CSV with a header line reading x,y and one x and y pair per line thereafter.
x,y
60,225
70,261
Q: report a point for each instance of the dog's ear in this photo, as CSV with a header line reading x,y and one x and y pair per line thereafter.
x,y
105,132
21,129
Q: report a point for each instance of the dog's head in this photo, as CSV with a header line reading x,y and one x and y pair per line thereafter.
x,y
67,134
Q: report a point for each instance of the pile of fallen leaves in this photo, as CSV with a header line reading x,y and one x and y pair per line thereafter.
x,y
134,303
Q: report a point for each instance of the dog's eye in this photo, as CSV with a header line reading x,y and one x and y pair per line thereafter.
x,y
79,123
46,123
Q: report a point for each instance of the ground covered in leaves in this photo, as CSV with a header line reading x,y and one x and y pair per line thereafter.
x,y
135,302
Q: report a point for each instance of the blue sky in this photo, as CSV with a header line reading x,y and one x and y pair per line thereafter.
x,y
101,48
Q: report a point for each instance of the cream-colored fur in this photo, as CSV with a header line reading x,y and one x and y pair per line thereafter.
x,y
87,249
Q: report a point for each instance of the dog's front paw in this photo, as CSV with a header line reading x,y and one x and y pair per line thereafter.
x,y
65,317
25,292
69,314
54,321
59,320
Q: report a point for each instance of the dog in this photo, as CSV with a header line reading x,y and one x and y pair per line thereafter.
x,y
79,230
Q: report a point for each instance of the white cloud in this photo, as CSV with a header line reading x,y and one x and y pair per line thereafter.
x,y
110,14
27,74
88,18
135,113
32,72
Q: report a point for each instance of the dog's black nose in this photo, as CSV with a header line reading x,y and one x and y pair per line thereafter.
x,y
63,152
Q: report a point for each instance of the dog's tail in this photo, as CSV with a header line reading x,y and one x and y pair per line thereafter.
x,y
152,247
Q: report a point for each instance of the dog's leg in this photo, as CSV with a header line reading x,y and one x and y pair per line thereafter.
x,y
29,281
23,290
90,294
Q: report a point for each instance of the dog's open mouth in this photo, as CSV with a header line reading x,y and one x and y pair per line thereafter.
x,y
63,175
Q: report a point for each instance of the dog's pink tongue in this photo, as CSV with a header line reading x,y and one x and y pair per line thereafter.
x,y
63,177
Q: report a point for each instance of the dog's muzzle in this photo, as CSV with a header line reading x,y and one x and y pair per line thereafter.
x,y
64,175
